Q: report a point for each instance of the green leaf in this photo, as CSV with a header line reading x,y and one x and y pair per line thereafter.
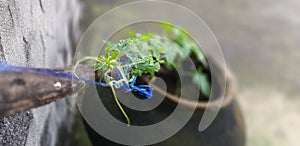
x,y
181,37
202,80
146,67
114,54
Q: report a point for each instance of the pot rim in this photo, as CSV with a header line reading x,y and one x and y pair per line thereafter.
x,y
230,93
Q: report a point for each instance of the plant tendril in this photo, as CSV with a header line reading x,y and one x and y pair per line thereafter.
x,y
118,103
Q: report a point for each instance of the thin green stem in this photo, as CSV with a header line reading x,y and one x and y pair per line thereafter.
x,y
119,105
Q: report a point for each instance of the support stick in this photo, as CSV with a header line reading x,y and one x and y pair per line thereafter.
x,y
21,91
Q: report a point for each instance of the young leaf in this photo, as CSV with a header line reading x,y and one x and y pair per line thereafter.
x,y
201,79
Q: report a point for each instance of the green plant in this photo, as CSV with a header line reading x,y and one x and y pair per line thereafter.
x,y
142,54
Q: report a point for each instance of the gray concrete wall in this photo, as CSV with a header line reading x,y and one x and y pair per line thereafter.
x,y
38,33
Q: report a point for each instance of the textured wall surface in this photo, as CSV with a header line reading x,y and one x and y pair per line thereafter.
x,y
38,33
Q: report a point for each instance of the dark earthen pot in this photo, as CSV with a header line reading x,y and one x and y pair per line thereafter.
x,y
227,129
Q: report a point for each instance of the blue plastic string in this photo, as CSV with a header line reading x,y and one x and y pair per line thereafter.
x,y
144,90
5,67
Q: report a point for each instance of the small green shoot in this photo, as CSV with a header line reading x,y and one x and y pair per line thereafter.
x,y
144,54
